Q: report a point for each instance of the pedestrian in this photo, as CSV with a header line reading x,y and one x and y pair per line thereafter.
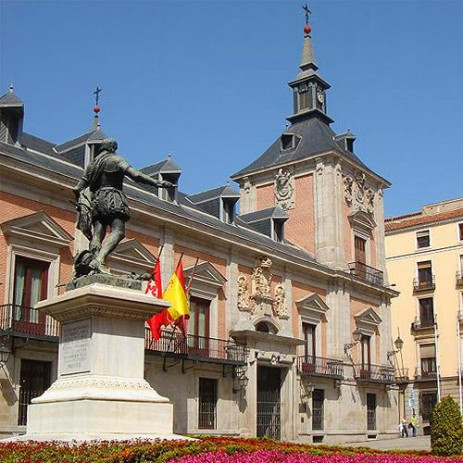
x,y
413,425
404,427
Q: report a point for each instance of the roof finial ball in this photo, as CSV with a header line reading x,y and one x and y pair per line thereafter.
x,y
96,108
307,28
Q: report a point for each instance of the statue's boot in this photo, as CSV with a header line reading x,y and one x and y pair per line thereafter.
x,y
98,267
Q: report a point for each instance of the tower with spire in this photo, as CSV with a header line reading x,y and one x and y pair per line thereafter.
x,y
329,194
309,88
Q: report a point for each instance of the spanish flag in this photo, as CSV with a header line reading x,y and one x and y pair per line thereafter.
x,y
175,293
179,310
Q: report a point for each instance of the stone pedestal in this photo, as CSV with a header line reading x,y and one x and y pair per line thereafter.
x,y
100,391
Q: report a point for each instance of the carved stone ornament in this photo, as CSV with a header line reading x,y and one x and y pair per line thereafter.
x,y
261,279
243,293
284,189
356,193
281,309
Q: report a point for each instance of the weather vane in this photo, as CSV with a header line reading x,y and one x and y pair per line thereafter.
x,y
307,13
97,92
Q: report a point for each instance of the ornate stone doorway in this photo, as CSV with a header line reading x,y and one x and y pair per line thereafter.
x,y
269,402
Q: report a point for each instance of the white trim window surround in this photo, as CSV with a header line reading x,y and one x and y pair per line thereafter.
x,y
423,239
37,237
367,322
206,285
312,311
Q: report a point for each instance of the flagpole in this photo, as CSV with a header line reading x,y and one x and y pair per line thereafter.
x,y
437,359
459,364
187,289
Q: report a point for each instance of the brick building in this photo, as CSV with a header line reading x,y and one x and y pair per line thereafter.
x,y
290,308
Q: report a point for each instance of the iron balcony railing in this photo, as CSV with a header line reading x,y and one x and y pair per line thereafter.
x,y
425,284
320,366
370,373
367,273
194,347
22,321
459,278
401,375
422,323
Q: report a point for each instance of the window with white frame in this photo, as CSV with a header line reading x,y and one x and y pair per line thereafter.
x,y
423,239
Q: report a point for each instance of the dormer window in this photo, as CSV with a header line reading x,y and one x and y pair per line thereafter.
x,y
168,194
289,141
278,230
228,210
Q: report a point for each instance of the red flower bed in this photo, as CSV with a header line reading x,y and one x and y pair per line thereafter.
x,y
203,450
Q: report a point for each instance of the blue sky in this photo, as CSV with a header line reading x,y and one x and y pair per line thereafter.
x,y
206,81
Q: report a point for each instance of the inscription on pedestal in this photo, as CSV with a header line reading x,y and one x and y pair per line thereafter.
x,y
75,347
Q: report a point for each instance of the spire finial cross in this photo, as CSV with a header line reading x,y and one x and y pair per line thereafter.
x,y
97,92
307,13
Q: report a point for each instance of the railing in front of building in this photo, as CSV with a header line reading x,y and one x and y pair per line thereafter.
x,y
459,278
426,284
370,373
423,323
22,321
172,343
367,273
320,366
401,376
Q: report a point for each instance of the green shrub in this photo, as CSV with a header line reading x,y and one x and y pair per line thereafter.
x,y
446,428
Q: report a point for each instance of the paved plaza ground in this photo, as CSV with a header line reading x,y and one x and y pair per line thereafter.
x,y
405,443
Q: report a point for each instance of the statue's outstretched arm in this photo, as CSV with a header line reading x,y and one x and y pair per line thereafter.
x,y
143,178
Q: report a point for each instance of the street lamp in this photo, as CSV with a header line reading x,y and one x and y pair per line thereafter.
x,y
398,343
357,336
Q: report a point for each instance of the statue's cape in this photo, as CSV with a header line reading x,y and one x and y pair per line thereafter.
x,y
84,213
97,169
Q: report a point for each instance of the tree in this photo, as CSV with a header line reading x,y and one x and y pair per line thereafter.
x,y
446,428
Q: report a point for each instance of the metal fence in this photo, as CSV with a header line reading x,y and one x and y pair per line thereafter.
x,y
19,319
374,373
371,274
198,347
322,366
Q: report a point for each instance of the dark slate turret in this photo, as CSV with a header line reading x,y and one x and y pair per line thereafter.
x,y
11,117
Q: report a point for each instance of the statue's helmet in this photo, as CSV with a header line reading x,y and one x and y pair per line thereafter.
x,y
109,144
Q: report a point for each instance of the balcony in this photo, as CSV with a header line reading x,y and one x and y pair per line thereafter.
x,y
424,323
369,373
401,376
309,365
200,348
459,279
27,322
367,273
427,284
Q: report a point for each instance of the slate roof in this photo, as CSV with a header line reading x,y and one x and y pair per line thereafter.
x,y
37,144
52,161
315,137
10,99
224,191
264,214
94,135
166,166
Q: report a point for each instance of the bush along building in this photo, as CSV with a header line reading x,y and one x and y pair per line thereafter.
x,y
290,309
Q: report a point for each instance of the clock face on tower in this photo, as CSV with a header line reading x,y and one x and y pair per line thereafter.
x,y
320,96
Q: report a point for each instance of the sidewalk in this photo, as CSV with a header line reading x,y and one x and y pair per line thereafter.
x,y
403,443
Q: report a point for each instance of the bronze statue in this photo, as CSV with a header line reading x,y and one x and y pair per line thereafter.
x,y
102,204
